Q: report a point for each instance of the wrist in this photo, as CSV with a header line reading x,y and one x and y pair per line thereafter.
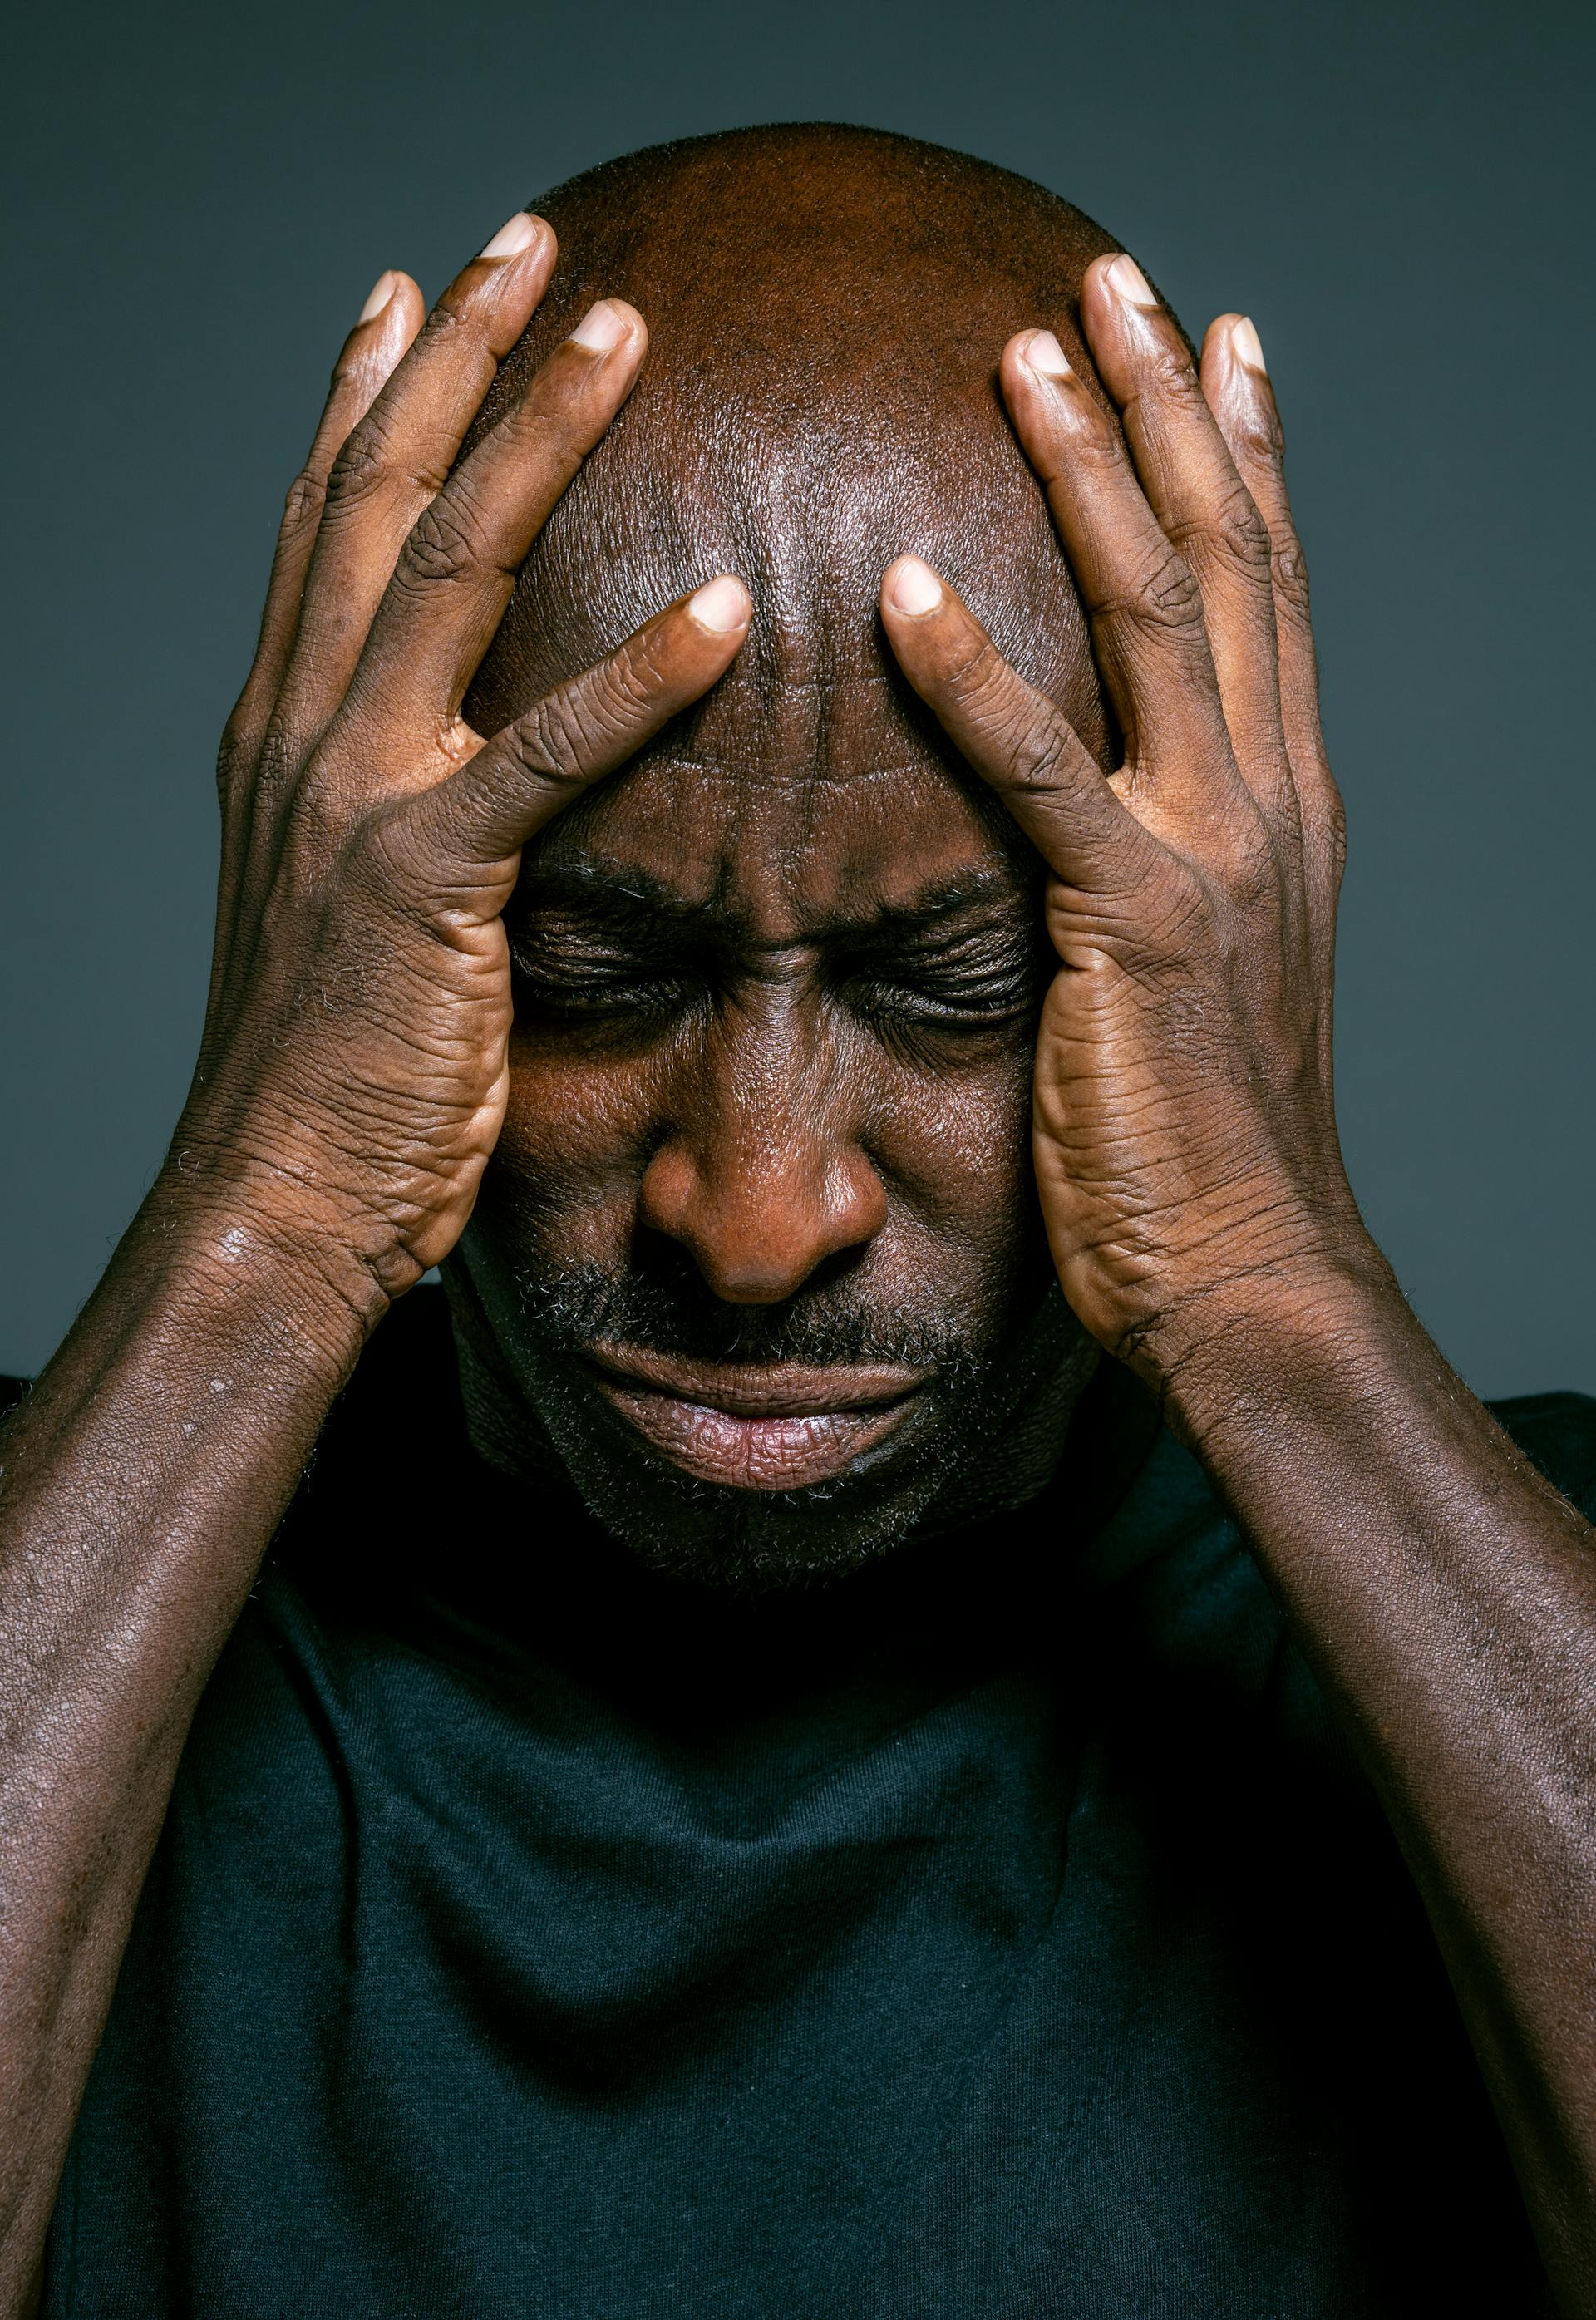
x,y
1288,1335
221,1240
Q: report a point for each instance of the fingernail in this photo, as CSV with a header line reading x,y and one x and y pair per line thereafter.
x,y
719,605
1044,354
1244,341
600,329
1130,282
382,291
915,588
517,234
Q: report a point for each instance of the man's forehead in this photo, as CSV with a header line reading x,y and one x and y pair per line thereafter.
x,y
826,310
647,520
784,857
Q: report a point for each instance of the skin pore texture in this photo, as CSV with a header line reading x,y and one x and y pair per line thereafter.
x,y
777,982
812,1027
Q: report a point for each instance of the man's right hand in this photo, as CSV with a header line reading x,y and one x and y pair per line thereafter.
x,y
352,1075
350,1088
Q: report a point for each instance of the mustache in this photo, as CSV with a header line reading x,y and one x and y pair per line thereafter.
x,y
681,1314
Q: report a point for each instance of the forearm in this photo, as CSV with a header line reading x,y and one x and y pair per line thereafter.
x,y
139,1484
1446,1596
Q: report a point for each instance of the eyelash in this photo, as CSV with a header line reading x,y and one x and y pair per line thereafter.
x,y
982,1003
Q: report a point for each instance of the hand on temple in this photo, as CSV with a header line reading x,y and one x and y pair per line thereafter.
x,y
757,1269
352,1074
1185,1133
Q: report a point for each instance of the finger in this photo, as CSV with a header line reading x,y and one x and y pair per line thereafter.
x,y
399,456
1238,391
521,779
458,567
1237,386
1202,503
1013,736
1141,597
388,323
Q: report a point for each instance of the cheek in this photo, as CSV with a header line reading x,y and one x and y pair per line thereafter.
x,y
953,1145
949,1137
577,1133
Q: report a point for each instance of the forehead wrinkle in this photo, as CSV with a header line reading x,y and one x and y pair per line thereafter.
x,y
595,875
679,496
826,308
779,771
791,833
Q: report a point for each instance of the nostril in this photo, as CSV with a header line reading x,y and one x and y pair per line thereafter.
x,y
761,1226
836,1266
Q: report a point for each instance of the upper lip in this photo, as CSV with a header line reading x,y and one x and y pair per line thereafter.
x,y
761,1390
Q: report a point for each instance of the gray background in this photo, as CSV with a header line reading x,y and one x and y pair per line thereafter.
x,y
1395,194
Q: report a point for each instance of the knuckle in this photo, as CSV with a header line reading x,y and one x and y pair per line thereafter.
x,y
550,742
1288,573
1254,879
373,459
1172,376
1236,532
1041,756
451,327
980,679
1324,821
553,437
1000,708
1163,595
568,732
445,544
630,683
275,764
1099,449
312,794
1258,437
1038,752
235,756
302,503
363,458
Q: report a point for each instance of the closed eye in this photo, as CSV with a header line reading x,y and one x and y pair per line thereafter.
x,y
563,989
976,983
564,971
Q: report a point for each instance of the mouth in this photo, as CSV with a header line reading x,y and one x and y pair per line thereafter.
x,y
759,1426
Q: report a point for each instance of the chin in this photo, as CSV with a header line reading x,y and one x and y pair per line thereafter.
x,y
750,1539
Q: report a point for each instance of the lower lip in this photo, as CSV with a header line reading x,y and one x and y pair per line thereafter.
x,y
754,1453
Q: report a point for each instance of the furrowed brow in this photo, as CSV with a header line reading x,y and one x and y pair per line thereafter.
x,y
988,896
618,895
624,898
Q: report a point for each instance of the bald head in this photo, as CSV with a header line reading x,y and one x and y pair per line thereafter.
x,y
770,1085
826,308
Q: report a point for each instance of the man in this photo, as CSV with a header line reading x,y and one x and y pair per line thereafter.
x,y
757,1776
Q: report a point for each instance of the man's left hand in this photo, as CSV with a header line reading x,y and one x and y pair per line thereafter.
x,y
1186,1137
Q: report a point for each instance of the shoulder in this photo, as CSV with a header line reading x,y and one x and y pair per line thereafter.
x,y
1174,1571
1558,1433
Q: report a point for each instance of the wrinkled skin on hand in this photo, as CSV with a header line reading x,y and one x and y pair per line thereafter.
x,y
825,393
739,1057
353,1074
1185,1134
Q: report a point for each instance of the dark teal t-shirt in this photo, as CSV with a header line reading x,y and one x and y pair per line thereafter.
x,y
1005,1931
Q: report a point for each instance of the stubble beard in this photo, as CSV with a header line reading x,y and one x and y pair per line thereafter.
x,y
1002,1400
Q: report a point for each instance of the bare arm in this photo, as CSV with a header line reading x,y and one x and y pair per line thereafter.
x,y
140,1485
1447,1597
1196,1204
351,1086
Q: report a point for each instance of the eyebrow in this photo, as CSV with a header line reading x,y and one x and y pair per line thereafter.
x,y
629,897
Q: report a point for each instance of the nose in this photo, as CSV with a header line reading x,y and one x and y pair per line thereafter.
x,y
761,1177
